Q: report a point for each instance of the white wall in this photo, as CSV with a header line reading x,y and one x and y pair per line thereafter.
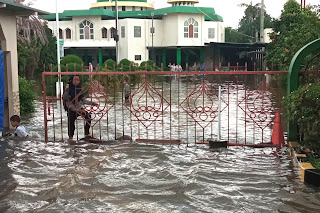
x,y
134,46
169,32
266,38
8,37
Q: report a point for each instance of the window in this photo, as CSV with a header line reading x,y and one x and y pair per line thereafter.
x,y
104,33
86,30
113,8
60,34
152,30
133,8
191,29
68,33
123,8
137,31
211,32
141,8
123,32
113,32
137,57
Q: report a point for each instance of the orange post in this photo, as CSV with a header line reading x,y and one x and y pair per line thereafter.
x,y
277,133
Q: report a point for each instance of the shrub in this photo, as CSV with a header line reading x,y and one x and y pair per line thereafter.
x,y
126,68
27,95
71,59
125,62
62,67
72,67
303,107
109,63
150,65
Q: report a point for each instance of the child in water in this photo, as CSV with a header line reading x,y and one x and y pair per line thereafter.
x,y
20,130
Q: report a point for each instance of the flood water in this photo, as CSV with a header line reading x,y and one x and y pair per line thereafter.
x,y
137,177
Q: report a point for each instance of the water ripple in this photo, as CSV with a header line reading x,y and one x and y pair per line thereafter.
x,y
134,177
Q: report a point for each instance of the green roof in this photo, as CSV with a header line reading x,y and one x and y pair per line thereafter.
x,y
124,0
209,13
12,6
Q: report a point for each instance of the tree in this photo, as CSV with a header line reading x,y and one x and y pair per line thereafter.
x,y
234,36
294,29
32,36
48,54
249,25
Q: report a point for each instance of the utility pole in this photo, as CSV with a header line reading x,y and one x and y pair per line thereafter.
x,y
117,35
261,60
58,35
59,83
262,22
152,33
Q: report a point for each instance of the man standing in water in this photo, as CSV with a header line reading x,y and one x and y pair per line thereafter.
x,y
127,91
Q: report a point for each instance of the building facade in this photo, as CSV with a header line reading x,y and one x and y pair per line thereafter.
x,y
176,34
9,92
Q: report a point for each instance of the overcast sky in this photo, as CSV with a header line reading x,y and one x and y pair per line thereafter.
x,y
228,9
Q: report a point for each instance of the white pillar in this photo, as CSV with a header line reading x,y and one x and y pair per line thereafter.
x,y
9,46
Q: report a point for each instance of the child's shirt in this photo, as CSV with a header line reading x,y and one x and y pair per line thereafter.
x,y
21,132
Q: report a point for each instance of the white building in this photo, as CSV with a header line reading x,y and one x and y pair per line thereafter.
x,y
177,34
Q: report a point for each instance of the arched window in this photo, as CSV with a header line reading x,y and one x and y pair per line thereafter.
x,y
86,30
68,33
60,34
191,28
113,32
104,33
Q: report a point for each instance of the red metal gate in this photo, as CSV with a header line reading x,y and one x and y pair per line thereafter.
x,y
179,107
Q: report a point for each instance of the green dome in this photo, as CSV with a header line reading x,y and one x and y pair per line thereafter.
x,y
124,0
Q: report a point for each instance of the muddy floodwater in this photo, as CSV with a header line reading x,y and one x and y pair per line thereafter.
x,y
137,177
133,177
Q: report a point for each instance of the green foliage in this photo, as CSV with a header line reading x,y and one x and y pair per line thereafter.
x,y
48,54
71,59
35,55
62,67
28,60
125,62
126,68
314,160
249,25
232,35
303,107
293,30
27,95
74,67
110,64
150,65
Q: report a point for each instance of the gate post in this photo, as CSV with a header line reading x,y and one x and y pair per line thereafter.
x,y
293,78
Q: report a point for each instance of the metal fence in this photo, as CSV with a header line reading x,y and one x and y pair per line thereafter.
x,y
170,107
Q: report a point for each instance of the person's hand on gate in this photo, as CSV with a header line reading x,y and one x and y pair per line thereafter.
x,y
82,112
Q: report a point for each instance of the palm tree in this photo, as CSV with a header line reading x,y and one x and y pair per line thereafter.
x,y
250,23
31,37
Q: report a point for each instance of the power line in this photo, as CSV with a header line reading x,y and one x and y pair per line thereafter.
x,y
230,28
242,33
